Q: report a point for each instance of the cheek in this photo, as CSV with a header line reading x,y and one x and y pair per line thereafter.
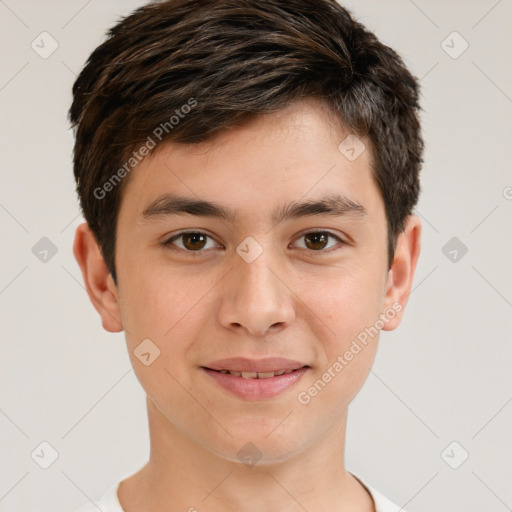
x,y
154,295
169,307
346,307
346,300
163,307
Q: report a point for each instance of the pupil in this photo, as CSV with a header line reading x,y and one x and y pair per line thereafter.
x,y
319,240
194,238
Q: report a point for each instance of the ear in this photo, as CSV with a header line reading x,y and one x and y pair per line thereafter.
x,y
97,279
401,273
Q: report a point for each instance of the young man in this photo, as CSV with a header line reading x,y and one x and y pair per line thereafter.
x,y
248,171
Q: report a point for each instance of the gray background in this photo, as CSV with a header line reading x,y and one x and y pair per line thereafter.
x,y
443,376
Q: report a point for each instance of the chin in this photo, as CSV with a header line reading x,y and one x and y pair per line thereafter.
x,y
260,446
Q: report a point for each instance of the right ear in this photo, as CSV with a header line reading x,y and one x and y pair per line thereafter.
x,y
97,279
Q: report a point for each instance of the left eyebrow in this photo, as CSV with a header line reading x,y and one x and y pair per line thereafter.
x,y
168,205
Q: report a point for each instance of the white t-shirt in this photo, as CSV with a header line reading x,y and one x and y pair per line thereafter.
x,y
110,502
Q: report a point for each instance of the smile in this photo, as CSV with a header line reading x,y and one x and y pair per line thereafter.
x,y
255,375
256,385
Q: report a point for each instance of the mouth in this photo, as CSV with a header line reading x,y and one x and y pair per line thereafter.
x,y
255,375
248,384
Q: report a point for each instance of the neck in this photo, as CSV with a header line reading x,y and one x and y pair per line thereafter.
x,y
182,475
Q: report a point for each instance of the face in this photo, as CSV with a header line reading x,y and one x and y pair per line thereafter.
x,y
268,279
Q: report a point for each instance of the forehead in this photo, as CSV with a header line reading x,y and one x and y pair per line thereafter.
x,y
294,153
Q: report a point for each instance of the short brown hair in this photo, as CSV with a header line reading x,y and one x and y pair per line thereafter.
x,y
233,60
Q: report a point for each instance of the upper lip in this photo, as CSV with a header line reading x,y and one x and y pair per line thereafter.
x,y
242,364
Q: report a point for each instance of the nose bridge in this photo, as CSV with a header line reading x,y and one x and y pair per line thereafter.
x,y
256,279
255,298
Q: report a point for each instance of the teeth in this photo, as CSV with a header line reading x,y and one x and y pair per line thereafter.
x,y
265,375
256,375
249,375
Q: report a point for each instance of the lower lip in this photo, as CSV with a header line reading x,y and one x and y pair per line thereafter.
x,y
257,389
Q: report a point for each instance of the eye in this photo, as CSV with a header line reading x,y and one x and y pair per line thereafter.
x,y
191,241
195,242
317,241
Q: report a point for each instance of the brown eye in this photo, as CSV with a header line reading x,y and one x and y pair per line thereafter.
x,y
190,241
194,241
318,240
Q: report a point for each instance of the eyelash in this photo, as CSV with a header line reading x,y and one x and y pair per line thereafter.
x,y
168,244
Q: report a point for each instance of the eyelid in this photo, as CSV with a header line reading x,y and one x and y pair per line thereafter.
x,y
168,241
340,239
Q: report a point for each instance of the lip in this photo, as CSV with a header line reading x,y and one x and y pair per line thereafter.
x,y
256,389
242,364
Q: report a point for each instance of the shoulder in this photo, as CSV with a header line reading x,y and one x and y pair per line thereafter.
x,y
108,503
382,504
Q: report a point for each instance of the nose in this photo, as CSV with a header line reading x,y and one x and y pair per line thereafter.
x,y
256,297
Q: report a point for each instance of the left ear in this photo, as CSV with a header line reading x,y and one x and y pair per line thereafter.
x,y
401,273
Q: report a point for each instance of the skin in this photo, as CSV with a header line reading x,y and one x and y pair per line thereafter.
x,y
306,305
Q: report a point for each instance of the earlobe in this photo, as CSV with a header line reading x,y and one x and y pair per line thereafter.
x,y
401,273
97,279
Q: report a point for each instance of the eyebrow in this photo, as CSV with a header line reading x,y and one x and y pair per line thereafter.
x,y
168,205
